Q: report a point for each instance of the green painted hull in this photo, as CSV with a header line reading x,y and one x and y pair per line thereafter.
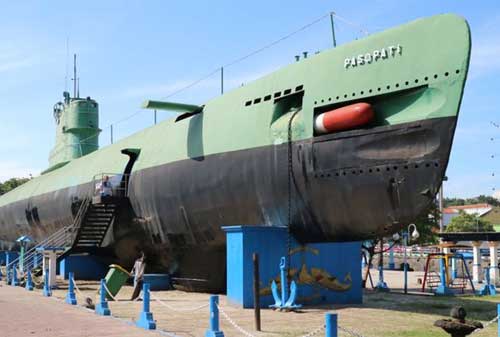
x,y
192,174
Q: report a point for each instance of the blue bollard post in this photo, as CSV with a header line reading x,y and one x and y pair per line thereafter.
x,y
102,307
1,273
331,329
392,265
214,331
498,323
15,281
146,320
71,296
35,260
46,288
29,281
7,276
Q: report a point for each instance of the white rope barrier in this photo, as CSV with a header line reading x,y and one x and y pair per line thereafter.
x,y
349,331
485,325
78,289
107,291
315,332
233,323
176,309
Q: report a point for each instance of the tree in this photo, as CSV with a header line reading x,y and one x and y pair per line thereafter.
x,y
469,223
428,225
10,184
481,199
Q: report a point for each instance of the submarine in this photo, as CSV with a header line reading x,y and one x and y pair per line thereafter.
x,y
348,144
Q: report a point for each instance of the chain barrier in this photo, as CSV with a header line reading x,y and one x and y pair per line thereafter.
x,y
349,331
176,309
315,332
233,323
485,325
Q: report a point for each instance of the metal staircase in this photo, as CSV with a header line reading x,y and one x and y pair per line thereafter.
x,y
93,228
86,233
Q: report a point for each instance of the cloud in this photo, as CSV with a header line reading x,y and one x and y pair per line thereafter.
x,y
485,53
9,65
13,169
209,85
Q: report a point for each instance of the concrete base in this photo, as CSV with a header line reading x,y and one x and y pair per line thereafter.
x,y
102,309
47,292
487,289
85,267
382,287
146,321
158,281
325,273
71,298
443,291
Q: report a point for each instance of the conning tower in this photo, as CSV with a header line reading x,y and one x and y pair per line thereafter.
x,y
77,129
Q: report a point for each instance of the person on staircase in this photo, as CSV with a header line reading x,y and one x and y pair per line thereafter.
x,y
106,188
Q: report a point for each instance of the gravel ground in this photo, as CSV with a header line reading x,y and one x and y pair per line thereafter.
x,y
381,314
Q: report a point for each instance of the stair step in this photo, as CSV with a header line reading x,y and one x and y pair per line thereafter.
x,y
94,229
99,217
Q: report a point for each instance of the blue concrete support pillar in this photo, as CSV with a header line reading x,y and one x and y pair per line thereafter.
x,y
71,296
8,275
15,280
454,273
1,274
214,330
391,258
381,285
102,307
47,292
443,289
35,260
29,281
331,329
146,320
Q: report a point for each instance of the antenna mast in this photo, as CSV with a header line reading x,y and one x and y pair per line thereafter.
x,y
75,80
67,66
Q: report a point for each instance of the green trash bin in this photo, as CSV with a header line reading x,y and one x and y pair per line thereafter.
x,y
115,279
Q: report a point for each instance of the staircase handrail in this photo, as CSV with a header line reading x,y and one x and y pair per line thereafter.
x,y
56,235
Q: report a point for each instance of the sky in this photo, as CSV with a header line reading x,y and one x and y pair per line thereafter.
x,y
130,51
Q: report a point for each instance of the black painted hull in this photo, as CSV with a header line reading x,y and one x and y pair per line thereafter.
x,y
347,186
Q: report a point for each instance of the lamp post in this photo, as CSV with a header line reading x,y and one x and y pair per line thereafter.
x,y
414,236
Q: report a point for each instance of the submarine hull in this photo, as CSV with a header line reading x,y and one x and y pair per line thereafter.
x,y
352,185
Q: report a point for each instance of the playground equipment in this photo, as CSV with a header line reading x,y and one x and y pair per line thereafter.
x,y
442,283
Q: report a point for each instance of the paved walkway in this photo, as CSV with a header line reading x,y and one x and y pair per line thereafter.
x,y
24,313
